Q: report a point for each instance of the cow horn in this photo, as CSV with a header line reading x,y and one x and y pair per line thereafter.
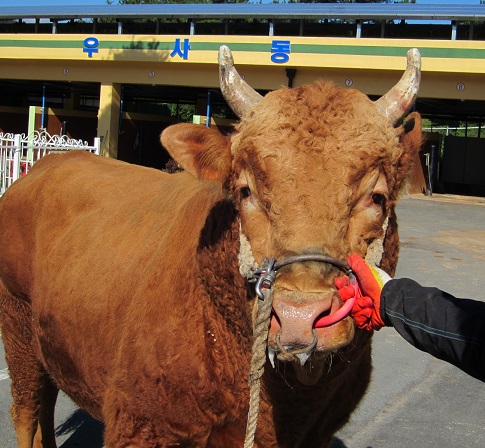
x,y
397,102
239,95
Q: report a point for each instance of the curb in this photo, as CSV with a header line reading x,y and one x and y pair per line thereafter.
x,y
450,198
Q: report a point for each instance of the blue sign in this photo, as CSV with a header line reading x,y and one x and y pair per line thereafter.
x,y
181,50
280,50
90,46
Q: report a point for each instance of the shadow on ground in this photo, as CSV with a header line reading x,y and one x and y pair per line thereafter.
x,y
337,443
86,431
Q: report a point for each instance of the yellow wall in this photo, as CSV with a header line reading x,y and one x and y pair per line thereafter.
x,y
450,69
372,65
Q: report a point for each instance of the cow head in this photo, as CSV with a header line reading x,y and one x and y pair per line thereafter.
x,y
312,170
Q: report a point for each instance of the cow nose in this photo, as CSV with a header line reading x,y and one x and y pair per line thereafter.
x,y
295,322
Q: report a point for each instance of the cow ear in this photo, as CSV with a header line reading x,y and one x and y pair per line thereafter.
x,y
411,137
412,134
201,151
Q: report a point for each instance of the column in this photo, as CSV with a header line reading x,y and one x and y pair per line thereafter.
x,y
109,118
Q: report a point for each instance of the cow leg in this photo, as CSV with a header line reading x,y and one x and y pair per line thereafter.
x,y
26,372
45,436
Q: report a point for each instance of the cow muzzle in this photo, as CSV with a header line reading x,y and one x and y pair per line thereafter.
x,y
297,324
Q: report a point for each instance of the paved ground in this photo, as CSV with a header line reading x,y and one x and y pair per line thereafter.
x,y
414,401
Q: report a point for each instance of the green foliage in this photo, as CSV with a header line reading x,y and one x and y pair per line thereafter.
x,y
184,112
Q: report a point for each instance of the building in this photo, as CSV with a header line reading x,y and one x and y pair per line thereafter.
x,y
124,72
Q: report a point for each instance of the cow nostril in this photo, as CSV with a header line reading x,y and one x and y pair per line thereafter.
x,y
298,319
335,314
275,314
275,322
321,316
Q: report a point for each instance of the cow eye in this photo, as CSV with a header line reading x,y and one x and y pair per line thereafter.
x,y
245,192
379,199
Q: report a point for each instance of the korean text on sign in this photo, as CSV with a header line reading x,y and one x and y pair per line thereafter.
x,y
181,49
280,51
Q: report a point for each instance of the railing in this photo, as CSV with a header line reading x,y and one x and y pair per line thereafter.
x,y
19,152
447,129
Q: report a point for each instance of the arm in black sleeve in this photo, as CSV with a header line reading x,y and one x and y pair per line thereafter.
x,y
434,321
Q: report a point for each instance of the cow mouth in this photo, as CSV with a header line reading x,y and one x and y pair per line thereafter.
x,y
302,354
308,362
318,339
308,370
304,322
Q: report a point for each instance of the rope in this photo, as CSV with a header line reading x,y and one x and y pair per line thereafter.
x,y
260,339
258,359
376,248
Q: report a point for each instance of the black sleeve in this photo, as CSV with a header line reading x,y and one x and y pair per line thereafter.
x,y
434,321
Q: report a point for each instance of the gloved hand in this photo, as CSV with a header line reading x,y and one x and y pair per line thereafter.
x,y
371,280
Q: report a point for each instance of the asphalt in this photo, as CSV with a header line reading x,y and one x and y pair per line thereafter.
x,y
414,400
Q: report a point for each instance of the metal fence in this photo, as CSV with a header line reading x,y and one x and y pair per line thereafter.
x,y
19,152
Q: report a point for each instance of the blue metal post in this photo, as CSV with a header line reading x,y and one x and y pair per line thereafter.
x,y
42,120
208,113
120,118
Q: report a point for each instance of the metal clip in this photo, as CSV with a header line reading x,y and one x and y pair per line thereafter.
x,y
266,278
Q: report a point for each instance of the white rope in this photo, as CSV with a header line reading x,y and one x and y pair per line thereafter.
x,y
258,360
376,248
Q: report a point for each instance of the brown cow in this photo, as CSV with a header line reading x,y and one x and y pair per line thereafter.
x,y
122,286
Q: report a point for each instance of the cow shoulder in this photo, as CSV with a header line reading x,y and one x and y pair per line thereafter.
x,y
201,151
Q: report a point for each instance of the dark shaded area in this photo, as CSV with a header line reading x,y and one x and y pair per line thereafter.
x,y
86,431
337,443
